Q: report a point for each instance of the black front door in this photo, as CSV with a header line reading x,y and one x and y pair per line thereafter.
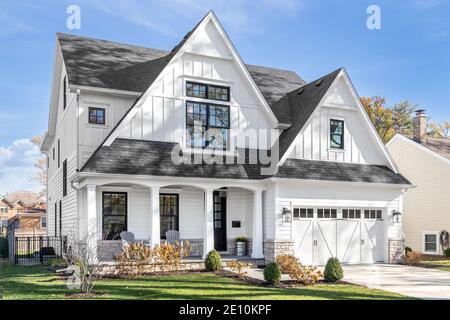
x,y
220,222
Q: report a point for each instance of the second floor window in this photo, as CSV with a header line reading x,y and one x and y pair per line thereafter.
x,y
65,178
96,115
207,125
336,134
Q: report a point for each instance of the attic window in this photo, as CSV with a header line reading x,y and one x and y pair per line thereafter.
x,y
336,134
96,115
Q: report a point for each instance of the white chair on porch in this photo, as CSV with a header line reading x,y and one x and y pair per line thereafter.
x,y
172,236
127,238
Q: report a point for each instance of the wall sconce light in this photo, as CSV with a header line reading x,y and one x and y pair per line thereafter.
x,y
397,216
286,215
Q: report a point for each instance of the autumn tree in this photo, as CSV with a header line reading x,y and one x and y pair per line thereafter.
x,y
381,116
41,167
402,114
438,130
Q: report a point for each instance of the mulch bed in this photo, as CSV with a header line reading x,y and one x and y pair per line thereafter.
x,y
83,295
430,257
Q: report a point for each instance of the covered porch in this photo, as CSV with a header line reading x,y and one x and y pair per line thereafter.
x,y
208,215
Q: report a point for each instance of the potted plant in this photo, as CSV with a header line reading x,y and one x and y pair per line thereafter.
x,y
241,246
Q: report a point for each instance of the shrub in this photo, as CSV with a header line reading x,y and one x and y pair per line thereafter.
x,y
306,275
3,247
241,239
134,259
57,262
333,270
287,262
169,256
213,261
413,258
407,250
238,267
447,252
272,273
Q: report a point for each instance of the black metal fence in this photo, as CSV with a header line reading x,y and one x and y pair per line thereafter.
x,y
35,250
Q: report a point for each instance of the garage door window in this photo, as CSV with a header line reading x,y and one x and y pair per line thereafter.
x,y
327,213
373,214
351,213
430,245
303,213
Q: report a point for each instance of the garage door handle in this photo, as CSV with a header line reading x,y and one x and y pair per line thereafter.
x,y
363,242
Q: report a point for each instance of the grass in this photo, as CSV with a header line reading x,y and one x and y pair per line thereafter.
x,y
443,265
34,282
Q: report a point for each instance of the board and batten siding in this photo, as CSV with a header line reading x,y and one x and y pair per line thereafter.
x,y
426,207
162,114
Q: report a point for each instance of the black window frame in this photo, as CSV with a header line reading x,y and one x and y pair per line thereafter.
x,y
96,121
103,211
177,216
342,145
59,153
65,93
207,126
64,177
60,218
326,213
207,87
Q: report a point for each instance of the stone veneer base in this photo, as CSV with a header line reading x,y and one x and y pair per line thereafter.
x,y
274,248
396,251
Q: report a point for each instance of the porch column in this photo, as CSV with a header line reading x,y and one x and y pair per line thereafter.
x,y
257,237
91,236
155,234
208,223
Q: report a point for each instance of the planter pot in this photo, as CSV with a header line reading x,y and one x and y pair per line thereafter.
x,y
241,248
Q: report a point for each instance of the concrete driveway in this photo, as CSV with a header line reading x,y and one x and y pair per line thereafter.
x,y
410,281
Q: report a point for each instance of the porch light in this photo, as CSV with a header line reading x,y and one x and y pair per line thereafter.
x,y
286,215
397,216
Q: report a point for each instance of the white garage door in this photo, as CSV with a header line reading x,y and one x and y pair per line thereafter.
x,y
352,235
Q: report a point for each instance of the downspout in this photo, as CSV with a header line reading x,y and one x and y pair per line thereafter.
x,y
78,160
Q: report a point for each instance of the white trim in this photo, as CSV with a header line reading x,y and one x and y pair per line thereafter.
x,y
418,146
424,233
108,91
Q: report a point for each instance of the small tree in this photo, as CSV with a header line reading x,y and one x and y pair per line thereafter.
x,y
81,258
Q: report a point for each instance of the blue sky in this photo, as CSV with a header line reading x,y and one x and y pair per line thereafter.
x,y
408,58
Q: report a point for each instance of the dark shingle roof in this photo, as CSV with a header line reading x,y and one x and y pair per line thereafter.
x,y
106,64
128,156
439,145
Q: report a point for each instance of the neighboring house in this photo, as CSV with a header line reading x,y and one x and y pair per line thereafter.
x,y
26,213
425,161
121,114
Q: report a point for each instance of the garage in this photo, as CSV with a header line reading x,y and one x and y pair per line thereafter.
x,y
353,235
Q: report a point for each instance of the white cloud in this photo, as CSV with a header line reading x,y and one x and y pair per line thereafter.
x,y
17,166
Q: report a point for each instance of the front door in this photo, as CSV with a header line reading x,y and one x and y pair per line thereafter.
x,y
220,222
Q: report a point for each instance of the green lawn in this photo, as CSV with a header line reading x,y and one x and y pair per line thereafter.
x,y
443,265
36,283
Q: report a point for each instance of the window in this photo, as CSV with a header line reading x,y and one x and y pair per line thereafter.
x,y
327,213
53,153
430,242
3,210
60,218
218,93
337,134
168,210
48,162
64,93
114,214
373,214
65,178
196,90
56,219
302,213
214,120
351,214
207,91
59,153
96,115
43,222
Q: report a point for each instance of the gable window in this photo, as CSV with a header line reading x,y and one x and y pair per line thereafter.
x,y
207,91
196,90
214,120
64,93
336,134
430,244
65,178
168,208
96,115
114,214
